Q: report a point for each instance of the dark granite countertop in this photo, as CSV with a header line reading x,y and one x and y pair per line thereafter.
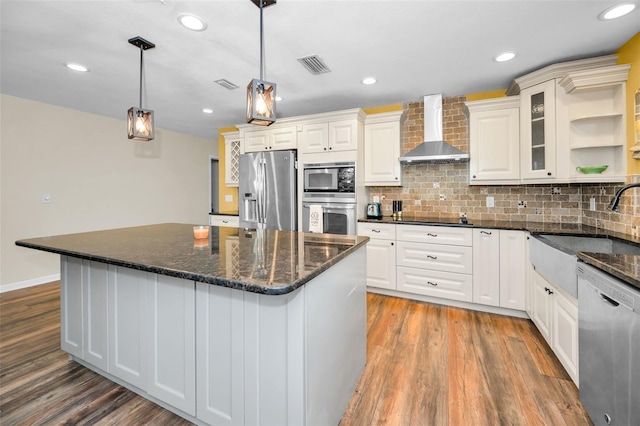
x,y
226,213
623,266
258,261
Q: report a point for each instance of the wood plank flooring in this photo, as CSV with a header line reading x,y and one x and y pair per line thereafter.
x,y
426,365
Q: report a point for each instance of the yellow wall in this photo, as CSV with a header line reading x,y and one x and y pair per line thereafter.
x,y
381,109
223,205
629,53
487,95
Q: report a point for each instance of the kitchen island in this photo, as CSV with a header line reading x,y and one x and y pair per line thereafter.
x,y
244,327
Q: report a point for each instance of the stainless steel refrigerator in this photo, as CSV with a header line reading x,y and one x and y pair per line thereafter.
x,y
267,190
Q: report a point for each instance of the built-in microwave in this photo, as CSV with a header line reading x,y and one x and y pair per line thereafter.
x,y
330,177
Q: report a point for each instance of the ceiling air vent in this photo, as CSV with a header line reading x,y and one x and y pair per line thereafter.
x,y
226,84
314,65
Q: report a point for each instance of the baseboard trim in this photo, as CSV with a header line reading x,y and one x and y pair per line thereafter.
x,y
29,283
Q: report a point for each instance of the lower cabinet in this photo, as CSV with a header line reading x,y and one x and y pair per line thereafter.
x,y
499,261
555,314
224,220
381,254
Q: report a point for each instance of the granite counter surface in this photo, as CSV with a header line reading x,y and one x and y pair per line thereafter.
x,y
623,266
259,261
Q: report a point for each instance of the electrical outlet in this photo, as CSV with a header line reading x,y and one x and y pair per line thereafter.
x,y
555,190
603,190
436,185
376,198
382,197
405,189
443,197
228,198
537,210
522,204
490,202
634,231
46,198
592,204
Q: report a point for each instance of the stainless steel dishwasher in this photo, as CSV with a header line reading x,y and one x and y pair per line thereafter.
x,y
609,336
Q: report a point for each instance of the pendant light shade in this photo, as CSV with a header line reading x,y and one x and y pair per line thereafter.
x,y
140,121
261,95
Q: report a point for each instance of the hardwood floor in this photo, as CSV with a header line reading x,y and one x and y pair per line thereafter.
x,y
426,365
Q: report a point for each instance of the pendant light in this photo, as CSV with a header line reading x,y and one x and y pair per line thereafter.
x,y
261,95
140,121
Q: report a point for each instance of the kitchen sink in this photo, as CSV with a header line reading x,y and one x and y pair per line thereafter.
x,y
554,256
576,243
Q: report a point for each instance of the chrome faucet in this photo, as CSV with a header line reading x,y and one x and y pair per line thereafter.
x,y
613,205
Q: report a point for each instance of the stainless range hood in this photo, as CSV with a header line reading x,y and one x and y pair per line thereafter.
x,y
434,149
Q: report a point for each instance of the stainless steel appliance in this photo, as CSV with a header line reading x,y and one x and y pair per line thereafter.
x,y
609,336
330,177
267,190
330,188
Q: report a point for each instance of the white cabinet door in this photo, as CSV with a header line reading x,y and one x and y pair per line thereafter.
x,y
128,326
565,333
96,328
513,260
283,138
71,334
538,131
172,369
219,355
486,266
441,257
224,220
381,153
343,135
453,235
541,305
381,264
314,138
256,141
494,140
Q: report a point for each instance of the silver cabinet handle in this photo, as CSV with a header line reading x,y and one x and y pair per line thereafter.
x,y
432,257
433,284
429,234
485,232
377,231
225,221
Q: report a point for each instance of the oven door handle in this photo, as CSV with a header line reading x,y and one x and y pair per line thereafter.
x,y
330,207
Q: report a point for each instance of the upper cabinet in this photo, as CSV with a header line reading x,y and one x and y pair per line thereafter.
x,y
382,146
572,118
232,147
329,136
271,139
538,131
494,141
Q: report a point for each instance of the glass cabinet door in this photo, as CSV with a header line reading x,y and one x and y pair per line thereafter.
x,y
538,131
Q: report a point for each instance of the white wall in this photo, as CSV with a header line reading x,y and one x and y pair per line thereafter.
x,y
97,178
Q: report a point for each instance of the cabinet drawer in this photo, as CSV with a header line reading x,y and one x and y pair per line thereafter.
x,y
440,257
447,285
224,220
381,231
435,234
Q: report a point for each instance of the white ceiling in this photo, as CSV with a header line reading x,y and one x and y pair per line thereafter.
x,y
413,48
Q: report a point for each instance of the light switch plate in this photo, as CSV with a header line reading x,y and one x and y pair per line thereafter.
x,y
228,198
490,202
592,204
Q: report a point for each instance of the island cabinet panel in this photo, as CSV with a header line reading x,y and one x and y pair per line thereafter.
x,y
219,355
486,266
95,313
274,359
172,369
128,329
71,336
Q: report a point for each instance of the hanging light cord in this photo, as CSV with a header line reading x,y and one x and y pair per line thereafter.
x,y
261,44
141,50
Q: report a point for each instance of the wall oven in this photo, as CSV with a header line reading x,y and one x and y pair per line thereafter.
x,y
329,198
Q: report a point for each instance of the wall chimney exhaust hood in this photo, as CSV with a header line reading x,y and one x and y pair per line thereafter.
x,y
434,149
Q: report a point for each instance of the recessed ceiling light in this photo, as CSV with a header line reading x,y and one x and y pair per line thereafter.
x,y
616,11
192,22
506,56
207,110
369,80
76,67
